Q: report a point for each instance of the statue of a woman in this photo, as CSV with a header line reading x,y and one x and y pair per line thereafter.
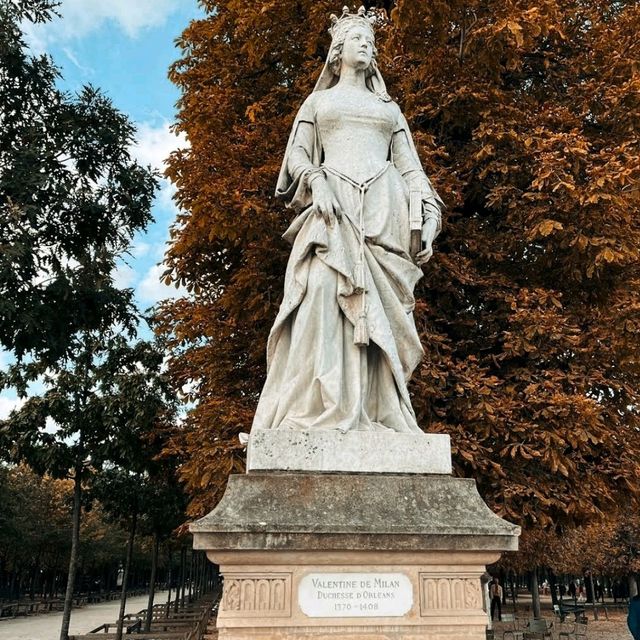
x,y
344,343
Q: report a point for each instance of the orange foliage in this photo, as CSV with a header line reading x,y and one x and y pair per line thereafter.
x,y
526,115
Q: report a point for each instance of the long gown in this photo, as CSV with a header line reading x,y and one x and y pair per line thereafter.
x,y
317,378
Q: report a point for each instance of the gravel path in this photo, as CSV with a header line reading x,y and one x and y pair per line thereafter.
x,y
615,628
47,626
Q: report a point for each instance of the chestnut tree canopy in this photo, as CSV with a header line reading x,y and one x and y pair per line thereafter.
x,y
526,115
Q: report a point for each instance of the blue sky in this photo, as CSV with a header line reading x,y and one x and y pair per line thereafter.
x,y
125,47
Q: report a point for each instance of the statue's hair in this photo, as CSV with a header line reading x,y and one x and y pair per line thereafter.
x,y
335,55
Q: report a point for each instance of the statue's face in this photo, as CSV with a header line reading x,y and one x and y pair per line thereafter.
x,y
357,51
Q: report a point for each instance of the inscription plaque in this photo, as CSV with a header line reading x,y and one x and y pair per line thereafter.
x,y
355,595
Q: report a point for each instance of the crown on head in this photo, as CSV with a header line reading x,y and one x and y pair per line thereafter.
x,y
348,20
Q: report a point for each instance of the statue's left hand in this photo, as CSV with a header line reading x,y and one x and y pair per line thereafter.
x,y
429,231
424,256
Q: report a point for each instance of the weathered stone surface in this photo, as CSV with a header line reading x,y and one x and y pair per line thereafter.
x,y
274,533
352,452
344,344
352,511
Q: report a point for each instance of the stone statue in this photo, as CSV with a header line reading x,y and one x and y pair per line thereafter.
x,y
344,343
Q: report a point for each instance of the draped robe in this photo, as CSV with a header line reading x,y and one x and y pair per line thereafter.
x,y
317,378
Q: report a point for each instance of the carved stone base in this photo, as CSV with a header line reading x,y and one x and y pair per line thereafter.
x,y
358,557
272,595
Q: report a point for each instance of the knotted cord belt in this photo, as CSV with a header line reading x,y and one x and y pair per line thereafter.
x,y
361,329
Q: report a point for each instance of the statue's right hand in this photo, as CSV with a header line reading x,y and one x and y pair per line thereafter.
x,y
325,203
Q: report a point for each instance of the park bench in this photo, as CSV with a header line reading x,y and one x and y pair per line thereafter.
x,y
127,627
18,608
579,632
538,629
7,609
511,630
54,604
577,609
190,622
138,636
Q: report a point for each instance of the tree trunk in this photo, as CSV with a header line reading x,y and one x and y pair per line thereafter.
x,y
73,560
180,589
152,581
12,585
191,577
169,577
591,593
203,574
553,585
183,586
32,583
535,594
125,577
633,586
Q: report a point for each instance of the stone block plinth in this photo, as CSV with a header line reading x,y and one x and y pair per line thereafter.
x,y
351,452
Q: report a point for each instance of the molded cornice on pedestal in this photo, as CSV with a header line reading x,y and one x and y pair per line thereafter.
x,y
352,512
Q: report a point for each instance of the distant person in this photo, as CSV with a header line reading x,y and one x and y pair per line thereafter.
x,y
599,591
572,589
495,591
615,591
633,619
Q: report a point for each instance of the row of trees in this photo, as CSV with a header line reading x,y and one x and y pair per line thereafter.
x,y
96,397
605,550
35,544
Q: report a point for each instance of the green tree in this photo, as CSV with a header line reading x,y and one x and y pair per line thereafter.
x,y
145,499
71,198
121,493
163,513
102,405
526,117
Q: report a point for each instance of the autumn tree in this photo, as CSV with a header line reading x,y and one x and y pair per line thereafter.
x,y
34,529
34,538
526,117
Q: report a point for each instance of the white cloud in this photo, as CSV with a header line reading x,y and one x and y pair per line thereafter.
x,y
8,404
124,276
151,289
140,249
81,17
165,197
51,426
88,71
155,143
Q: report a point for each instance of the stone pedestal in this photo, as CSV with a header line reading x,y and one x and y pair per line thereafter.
x,y
359,556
